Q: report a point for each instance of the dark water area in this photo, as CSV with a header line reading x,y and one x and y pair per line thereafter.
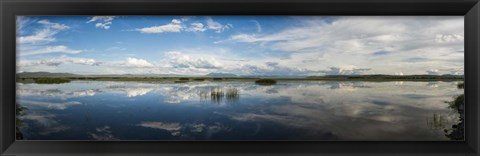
x,y
237,110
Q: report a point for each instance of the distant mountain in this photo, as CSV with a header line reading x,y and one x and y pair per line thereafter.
x,y
220,75
44,74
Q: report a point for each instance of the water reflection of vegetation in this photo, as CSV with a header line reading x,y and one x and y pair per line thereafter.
x,y
217,95
458,104
181,81
438,121
44,80
19,111
266,82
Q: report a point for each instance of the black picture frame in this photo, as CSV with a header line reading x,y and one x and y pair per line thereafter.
x,y
470,9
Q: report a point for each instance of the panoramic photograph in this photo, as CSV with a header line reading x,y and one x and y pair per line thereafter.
x,y
240,78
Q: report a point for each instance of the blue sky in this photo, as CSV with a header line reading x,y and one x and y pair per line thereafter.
x,y
242,45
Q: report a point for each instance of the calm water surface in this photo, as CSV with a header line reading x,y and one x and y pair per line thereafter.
x,y
237,110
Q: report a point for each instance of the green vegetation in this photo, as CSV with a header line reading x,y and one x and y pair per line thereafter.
x,y
50,80
217,79
458,104
266,82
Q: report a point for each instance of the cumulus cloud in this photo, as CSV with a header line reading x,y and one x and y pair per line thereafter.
x,y
174,26
346,70
134,62
217,27
103,22
197,27
177,59
433,72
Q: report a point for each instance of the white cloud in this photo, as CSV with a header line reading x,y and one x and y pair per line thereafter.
x,y
103,25
196,27
448,38
174,26
44,35
346,70
456,71
49,49
40,41
176,21
272,69
247,38
56,26
83,61
217,27
58,61
257,24
379,43
104,22
432,72
177,59
134,62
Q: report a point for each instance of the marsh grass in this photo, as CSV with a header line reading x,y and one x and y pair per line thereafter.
x,y
217,95
230,95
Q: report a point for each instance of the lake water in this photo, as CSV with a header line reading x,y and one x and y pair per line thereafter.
x,y
237,110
